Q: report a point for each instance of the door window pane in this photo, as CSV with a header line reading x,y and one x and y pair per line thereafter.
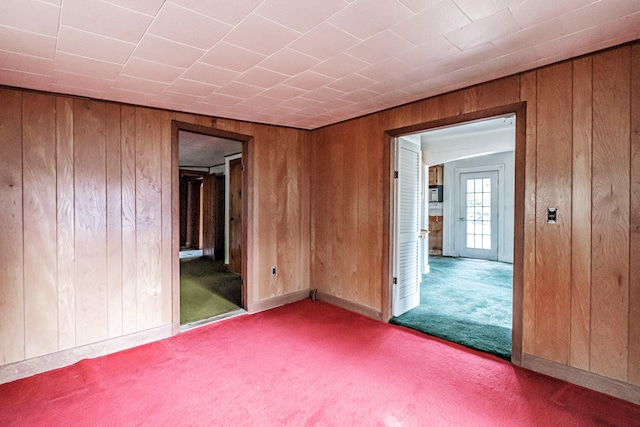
x,y
478,210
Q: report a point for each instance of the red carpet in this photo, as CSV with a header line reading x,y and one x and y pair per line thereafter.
x,y
307,363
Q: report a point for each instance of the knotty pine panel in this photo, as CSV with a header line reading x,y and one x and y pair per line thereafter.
x,y
39,216
11,229
65,224
553,190
128,195
581,214
634,222
148,148
528,93
91,221
610,215
114,219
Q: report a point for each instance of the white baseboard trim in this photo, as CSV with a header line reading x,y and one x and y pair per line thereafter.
x,y
60,359
350,305
582,378
274,302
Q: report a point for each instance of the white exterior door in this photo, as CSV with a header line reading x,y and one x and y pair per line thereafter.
x,y
478,218
406,288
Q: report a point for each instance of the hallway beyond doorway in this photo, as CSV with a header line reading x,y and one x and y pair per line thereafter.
x,y
466,301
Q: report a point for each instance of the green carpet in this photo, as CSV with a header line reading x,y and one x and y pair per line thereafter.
x,y
465,301
207,289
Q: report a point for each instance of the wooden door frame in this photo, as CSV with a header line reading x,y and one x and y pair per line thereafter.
x,y
247,220
519,109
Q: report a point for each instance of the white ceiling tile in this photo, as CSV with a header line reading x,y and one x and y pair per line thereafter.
x,y
529,12
78,91
128,96
308,80
232,57
283,92
148,7
26,42
91,45
350,83
323,94
597,13
522,39
299,15
149,70
63,78
239,89
136,84
335,103
221,99
475,9
380,47
229,11
261,35
289,62
106,19
176,99
25,63
86,66
190,87
419,5
440,19
384,70
30,15
364,18
167,51
22,79
261,77
340,65
204,73
324,41
187,27
359,95
388,85
484,30
300,103
281,110
260,102
433,50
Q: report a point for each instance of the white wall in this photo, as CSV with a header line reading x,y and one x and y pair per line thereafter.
x,y
505,164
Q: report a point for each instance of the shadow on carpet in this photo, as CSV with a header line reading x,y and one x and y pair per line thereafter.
x,y
207,289
465,301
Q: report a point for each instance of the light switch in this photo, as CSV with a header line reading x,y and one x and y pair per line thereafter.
x,y
552,215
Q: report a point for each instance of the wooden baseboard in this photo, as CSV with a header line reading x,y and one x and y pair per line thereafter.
x,y
60,359
582,378
274,302
349,305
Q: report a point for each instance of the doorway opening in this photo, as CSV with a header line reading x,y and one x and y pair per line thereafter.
x,y
465,290
210,227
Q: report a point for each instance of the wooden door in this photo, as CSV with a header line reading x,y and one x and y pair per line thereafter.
x,y
235,215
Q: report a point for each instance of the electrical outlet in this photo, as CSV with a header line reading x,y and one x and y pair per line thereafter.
x,y
274,271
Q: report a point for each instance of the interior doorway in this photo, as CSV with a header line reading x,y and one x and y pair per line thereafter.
x,y
467,201
211,224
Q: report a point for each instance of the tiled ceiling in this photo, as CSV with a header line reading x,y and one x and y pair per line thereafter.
x,y
299,63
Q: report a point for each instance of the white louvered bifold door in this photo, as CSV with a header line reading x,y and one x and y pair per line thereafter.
x,y
406,290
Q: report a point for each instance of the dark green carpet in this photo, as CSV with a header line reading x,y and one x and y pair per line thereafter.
x,y
207,289
465,301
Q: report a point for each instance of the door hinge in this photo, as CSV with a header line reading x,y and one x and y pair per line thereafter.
x,y
395,174
395,280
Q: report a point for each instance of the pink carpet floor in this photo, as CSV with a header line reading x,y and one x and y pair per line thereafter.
x,y
306,363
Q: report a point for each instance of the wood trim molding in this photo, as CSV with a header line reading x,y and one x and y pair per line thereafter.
x,y
274,302
349,305
619,389
60,359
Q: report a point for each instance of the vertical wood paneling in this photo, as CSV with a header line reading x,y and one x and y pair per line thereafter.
x,y
11,229
235,214
65,224
167,253
528,92
129,287
91,222
553,190
114,219
581,215
39,213
634,222
610,215
148,218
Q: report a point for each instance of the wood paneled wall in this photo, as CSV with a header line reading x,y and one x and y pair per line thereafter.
x,y
581,280
88,196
